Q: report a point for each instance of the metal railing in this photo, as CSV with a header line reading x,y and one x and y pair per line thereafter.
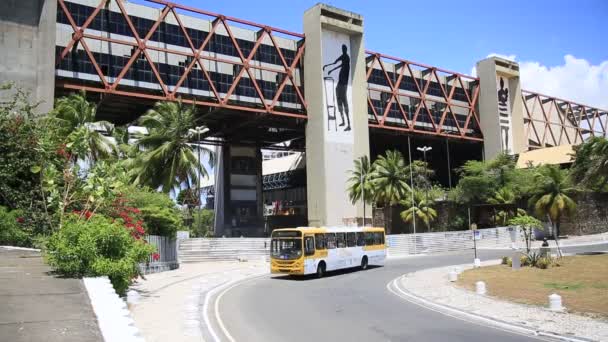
x,y
166,250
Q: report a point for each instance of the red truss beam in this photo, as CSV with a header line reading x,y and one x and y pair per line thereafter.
x,y
141,47
551,121
430,74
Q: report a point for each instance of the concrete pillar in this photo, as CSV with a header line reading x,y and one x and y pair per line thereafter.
x,y
500,107
27,48
337,130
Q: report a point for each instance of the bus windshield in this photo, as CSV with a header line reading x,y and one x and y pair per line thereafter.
x,y
286,248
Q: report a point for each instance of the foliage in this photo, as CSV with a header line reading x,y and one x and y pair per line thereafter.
x,y
505,260
189,198
419,209
544,263
505,198
359,182
550,197
421,174
480,181
207,223
78,117
590,167
168,159
527,224
96,247
158,211
389,178
12,232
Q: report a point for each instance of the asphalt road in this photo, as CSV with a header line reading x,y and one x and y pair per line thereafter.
x,y
351,306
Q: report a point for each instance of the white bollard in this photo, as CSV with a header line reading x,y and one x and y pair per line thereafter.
x,y
480,288
477,262
458,270
452,276
555,302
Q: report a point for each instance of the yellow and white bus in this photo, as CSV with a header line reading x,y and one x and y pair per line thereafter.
x,y
307,250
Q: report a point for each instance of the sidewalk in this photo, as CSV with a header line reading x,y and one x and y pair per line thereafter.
x,y
171,303
37,306
574,240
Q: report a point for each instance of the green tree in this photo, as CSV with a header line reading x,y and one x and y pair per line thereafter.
x,y
358,184
389,181
527,224
421,209
505,198
550,198
168,159
590,167
78,117
421,174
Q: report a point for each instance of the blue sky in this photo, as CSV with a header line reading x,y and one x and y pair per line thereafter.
x,y
454,34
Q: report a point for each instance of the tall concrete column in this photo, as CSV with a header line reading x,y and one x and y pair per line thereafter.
x,y
337,130
27,48
500,107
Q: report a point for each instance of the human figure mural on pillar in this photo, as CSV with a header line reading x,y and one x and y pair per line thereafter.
x,y
342,86
337,90
504,112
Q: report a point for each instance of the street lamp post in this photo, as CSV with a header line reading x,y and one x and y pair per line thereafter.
x,y
362,194
424,150
198,131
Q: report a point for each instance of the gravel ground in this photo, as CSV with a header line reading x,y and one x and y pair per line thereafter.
x,y
538,318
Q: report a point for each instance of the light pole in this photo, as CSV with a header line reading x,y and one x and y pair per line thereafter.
x,y
424,150
362,193
198,131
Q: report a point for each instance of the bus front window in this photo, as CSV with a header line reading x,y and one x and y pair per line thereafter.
x,y
286,249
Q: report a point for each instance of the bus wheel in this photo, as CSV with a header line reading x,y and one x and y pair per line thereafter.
x,y
364,263
321,270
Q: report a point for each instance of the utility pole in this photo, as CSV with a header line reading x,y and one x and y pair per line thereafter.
x,y
198,131
409,153
362,181
424,150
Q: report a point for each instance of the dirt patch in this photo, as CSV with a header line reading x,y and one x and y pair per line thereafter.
x,y
582,281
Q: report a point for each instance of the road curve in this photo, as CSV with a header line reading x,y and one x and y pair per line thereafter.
x,y
351,306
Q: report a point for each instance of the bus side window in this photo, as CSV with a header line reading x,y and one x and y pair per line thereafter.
x,y
341,240
309,245
382,238
377,238
360,239
369,238
320,242
331,240
351,239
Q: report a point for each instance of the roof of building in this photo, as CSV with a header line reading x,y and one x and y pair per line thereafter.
x,y
562,154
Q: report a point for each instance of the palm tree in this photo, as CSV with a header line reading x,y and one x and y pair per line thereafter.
x,y
420,208
505,198
78,117
389,181
359,186
550,197
168,160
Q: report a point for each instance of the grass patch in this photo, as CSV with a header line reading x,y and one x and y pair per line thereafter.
x,y
581,280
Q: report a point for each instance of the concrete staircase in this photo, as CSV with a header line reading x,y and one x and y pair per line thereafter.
x,y
223,249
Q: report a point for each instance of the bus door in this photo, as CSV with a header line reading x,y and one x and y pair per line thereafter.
x,y
309,252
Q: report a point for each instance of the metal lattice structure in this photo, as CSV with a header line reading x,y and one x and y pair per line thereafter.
x,y
550,121
413,97
197,56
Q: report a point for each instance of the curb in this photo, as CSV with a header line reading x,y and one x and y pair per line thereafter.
x,y
399,291
113,317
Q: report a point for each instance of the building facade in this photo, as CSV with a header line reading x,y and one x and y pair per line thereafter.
x,y
257,87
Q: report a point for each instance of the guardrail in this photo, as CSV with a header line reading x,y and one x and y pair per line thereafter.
x,y
437,242
166,249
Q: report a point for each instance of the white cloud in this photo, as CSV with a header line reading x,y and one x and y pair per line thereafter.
x,y
575,80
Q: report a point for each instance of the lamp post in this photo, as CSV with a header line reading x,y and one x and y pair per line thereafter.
x,y
198,131
424,150
363,194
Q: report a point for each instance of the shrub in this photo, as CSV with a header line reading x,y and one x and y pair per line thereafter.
x,y
12,230
96,247
533,259
505,260
158,211
544,263
524,260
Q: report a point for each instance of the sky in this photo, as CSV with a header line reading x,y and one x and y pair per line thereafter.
x,y
562,46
